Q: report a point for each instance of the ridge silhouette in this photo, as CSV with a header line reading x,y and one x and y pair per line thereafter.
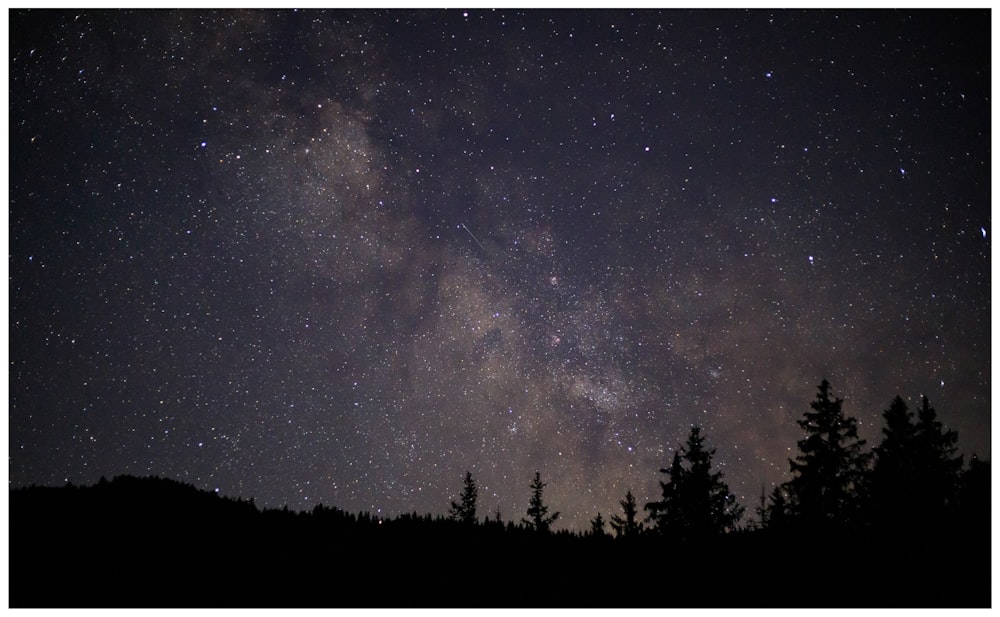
x,y
909,508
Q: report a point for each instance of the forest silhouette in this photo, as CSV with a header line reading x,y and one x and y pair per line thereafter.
x,y
905,524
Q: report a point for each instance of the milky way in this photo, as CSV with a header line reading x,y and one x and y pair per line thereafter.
x,y
343,257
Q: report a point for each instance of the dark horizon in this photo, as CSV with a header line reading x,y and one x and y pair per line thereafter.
x,y
344,257
202,550
750,517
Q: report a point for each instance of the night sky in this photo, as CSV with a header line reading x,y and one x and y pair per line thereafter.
x,y
344,257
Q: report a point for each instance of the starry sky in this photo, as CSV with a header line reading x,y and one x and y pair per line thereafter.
x,y
345,256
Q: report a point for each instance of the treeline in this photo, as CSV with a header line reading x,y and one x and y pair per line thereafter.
x,y
904,524
913,481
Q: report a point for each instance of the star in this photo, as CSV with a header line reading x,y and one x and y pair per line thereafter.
x,y
351,255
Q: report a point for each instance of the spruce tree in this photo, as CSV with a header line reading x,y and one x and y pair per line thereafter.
x,y
597,526
894,484
973,503
538,513
830,467
898,433
937,462
628,526
917,471
776,513
696,502
465,511
666,515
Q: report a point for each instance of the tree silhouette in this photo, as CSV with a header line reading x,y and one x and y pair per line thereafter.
x,y
895,485
830,467
974,495
775,515
466,510
937,463
667,514
538,518
627,527
597,525
696,502
917,473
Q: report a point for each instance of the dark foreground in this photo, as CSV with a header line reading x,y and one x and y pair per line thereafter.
x,y
158,543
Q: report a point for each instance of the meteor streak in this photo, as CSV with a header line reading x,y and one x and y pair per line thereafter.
x,y
473,236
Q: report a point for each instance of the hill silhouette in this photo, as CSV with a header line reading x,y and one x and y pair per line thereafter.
x,y
154,542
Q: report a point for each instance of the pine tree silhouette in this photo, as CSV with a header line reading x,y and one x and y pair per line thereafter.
x,y
936,462
538,518
829,470
777,512
974,495
597,526
667,515
696,502
465,511
628,526
894,485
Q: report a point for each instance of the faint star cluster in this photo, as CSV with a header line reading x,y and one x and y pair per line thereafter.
x,y
342,257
